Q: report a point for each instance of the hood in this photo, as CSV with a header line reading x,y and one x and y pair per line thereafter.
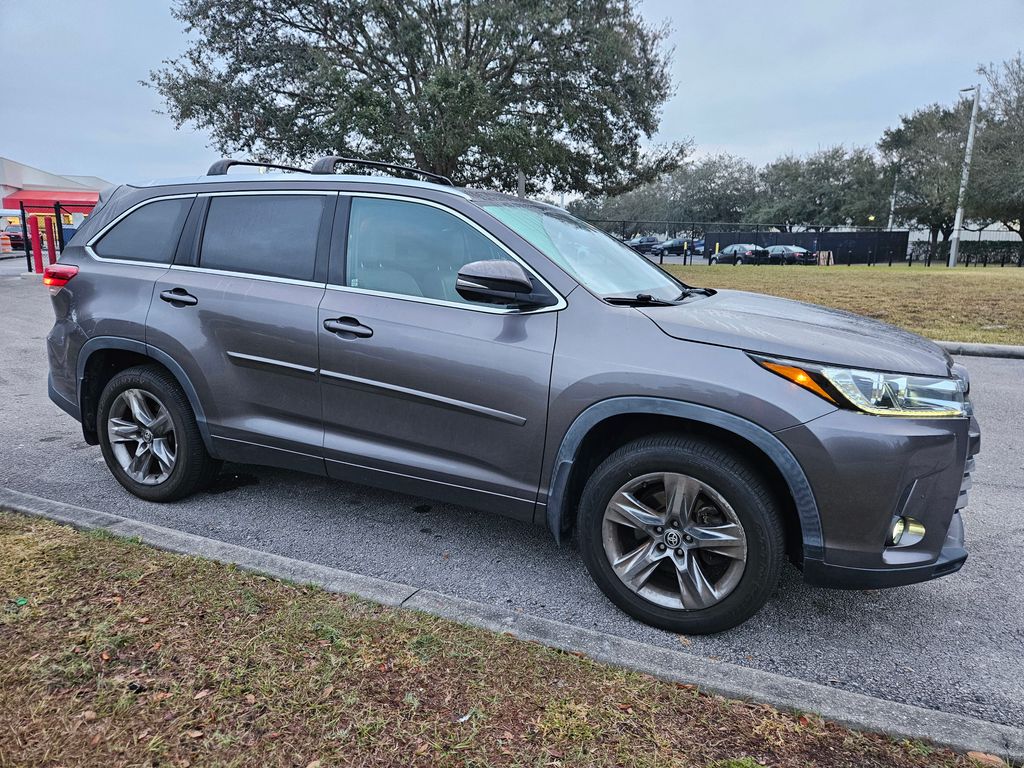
x,y
793,329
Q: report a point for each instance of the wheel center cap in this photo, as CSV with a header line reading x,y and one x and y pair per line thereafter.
x,y
147,436
672,539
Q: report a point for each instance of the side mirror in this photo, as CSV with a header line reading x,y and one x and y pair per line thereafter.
x,y
497,282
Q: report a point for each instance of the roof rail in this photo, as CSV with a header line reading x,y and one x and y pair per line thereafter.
x,y
220,168
330,162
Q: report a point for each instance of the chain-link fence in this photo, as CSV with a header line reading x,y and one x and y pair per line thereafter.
x,y
701,240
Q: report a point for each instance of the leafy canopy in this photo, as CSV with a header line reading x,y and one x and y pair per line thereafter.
x,y
564,90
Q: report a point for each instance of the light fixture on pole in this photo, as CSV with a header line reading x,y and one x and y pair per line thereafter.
x,y
954,244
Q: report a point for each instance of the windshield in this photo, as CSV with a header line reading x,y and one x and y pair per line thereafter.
x,y
595,259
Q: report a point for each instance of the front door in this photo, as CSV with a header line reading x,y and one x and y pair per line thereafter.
x,y
240,317
423,391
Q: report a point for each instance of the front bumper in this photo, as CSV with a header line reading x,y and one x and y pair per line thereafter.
x,y
865,471
951,558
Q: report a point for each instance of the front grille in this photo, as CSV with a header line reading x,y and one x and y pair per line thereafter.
x,y
965,484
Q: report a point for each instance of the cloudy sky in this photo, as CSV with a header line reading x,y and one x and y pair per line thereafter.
x,y
754,78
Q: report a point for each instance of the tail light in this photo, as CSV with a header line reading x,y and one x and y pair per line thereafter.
x,y
749,253
56,276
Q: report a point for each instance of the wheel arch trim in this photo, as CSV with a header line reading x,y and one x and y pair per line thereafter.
x,y
769,444
100,343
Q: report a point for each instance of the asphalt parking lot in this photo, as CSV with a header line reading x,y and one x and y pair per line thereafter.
x,y
956,644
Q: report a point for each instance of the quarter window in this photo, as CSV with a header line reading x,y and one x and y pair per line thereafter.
x,y
411,249
272,235
149,233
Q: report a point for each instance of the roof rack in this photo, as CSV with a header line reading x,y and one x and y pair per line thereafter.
x,y
329,163
220,168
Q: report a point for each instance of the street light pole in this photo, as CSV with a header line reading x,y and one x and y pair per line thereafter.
x,y
954,245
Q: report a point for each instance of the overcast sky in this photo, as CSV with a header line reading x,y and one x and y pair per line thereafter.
x,y
754,78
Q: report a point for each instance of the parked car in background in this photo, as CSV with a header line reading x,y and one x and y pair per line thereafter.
x,y
791,254
697,247
13,231
643,244
677,246
740,253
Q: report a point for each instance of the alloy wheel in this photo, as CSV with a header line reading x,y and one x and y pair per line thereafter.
x,y
674,540
142,436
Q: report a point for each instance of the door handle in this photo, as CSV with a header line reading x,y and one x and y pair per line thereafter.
x,y
179,296
348,328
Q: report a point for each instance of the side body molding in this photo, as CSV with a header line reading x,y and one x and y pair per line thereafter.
x,y
799,487
131,345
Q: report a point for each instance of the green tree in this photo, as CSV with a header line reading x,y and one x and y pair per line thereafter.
x,y
834,186
717,188
926,151
564,90
996,190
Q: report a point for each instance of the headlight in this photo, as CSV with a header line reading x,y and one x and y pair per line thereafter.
x,y
875,392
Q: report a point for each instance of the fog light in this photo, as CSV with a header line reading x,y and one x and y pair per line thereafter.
x,y
898,527
905,532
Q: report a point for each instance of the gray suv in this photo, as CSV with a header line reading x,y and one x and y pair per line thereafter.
x,y
498,353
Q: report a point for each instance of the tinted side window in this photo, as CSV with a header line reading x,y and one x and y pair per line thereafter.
x,y
411,249
149,233
272,235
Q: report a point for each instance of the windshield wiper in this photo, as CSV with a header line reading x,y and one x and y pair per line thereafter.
x,y
640,300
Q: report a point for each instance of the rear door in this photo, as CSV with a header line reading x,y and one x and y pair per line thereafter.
x,y
423,391
238,312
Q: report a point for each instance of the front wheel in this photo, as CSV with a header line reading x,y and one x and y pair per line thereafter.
x,y
681,534
149,436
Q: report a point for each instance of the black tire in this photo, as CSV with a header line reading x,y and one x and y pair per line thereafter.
x,y
750,498
737,262
194,468
713,260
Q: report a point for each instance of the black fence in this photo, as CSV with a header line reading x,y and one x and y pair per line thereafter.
x,y
867,247
836,245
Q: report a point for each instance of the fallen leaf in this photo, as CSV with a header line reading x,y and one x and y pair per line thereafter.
x,y
327,691
683,639
88,715
143,619
202,694
986,759
422,748
105,656
314,764
161,695
250,699
194,734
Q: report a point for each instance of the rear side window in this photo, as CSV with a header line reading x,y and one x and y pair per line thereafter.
x,y
149,233
273,235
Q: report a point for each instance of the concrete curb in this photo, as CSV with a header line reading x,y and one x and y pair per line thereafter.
x,y
851,709
1010,351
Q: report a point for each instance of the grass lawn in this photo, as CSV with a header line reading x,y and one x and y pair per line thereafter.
x,y
112,653
964,304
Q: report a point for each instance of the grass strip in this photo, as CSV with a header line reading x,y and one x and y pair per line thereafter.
x,y
116,654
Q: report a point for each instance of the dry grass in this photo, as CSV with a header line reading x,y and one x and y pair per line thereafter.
x,y
114,654
981,305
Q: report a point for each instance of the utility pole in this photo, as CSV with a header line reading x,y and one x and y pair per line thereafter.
x,y
521,184
954,245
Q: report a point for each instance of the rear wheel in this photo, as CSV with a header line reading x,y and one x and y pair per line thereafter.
x,y
737,262
149,436
713,260
681,534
